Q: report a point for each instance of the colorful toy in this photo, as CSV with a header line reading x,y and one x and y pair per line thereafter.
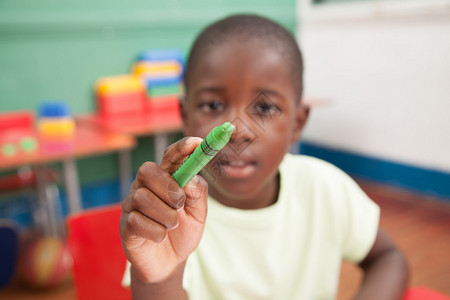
x,y
17,134
8,149
159,69
20,120
162,55
55,121
162,72
121,96
150,93
56,126
46,262
28,144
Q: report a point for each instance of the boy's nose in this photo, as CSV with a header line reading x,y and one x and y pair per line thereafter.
x,y
243,135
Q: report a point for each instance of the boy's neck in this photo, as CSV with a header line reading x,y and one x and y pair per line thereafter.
x,y
265,197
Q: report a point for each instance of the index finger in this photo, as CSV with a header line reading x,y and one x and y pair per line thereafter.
x,y
176,154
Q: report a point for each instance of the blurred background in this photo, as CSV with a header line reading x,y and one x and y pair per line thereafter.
x,y
377,76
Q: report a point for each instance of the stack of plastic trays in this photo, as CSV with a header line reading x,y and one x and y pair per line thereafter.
x,y
122,96
162,71
56,125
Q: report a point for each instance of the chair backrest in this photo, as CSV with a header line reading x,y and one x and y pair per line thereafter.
x,y
9,242
423,293
98,258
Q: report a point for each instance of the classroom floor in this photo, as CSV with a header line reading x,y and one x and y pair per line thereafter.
x,y
419,225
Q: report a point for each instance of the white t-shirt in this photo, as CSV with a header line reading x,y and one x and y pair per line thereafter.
x,y
290,250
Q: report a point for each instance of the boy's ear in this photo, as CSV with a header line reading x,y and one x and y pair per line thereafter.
x,y
301,116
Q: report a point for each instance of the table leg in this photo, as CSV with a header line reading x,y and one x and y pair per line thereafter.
x,y
124,172
48,212
161,143
72,185
45,217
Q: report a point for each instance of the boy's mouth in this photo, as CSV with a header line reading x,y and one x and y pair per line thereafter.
x,y
236,168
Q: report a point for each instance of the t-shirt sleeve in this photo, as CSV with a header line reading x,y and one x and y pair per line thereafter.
x,y
362,222
126,280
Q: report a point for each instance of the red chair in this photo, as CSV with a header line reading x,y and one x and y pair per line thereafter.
x,y
423,293
98,259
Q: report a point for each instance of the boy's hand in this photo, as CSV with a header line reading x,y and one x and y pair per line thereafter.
x,y
162,224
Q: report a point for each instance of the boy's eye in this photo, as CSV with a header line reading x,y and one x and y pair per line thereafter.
x,y
266,109
212,106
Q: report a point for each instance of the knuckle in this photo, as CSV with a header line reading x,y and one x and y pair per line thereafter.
x,y
136,226
173,147
138,195
181,144
167,150
145,169
132,223
138,199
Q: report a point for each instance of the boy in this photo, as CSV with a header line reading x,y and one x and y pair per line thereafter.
x,y
277,225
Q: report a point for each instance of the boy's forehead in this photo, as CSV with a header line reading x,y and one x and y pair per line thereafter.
x,y
238,56
236,46
242,66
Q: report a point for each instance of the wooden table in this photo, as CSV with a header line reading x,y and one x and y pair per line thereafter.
x,y
87,141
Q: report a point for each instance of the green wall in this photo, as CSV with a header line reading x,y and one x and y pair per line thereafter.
x,y
56,49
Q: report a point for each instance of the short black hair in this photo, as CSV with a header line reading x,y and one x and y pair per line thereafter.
x,y
245,27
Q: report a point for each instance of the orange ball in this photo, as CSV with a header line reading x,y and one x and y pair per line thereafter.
x,y
46,262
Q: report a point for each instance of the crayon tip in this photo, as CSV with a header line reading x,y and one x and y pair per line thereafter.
x,y
227,127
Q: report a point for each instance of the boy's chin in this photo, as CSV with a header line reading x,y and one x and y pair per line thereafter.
x,y
232,189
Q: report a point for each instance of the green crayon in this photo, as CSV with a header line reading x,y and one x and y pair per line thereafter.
x,y
208,148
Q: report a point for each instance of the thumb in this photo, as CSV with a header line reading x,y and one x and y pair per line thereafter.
x,y
175,154
196,197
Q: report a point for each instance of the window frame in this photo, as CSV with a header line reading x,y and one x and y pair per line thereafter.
x,y
308,11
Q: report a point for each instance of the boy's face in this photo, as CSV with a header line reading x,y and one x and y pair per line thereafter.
x,y
249,85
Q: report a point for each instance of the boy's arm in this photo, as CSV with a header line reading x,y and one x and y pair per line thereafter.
x,y
169,289
386,271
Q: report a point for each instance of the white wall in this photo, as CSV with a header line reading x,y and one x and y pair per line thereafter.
x,y
386,72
